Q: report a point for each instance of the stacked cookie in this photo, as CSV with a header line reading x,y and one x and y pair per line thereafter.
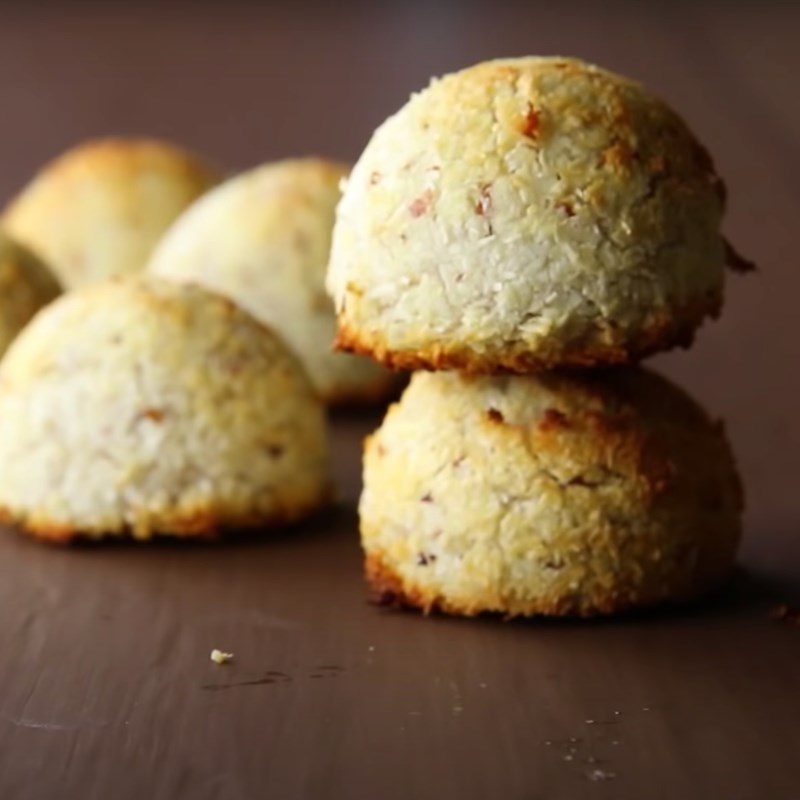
x,y
522,221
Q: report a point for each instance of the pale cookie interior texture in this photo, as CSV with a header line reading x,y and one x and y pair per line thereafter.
x,y
524,214
142,406
558,494
98,210
263,239
26,285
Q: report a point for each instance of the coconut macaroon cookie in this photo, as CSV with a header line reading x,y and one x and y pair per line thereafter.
x,y
263,239
99,209
26,285
551,494
524,214
143,406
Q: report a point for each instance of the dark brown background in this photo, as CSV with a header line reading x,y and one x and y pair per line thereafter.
x,y
104,663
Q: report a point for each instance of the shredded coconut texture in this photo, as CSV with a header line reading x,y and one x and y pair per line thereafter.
x,y
523,214
141,406
551,494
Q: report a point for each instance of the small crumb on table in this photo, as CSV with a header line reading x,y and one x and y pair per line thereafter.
x,y
220,657
600,775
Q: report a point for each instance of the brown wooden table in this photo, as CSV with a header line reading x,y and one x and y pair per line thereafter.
x,y
107,687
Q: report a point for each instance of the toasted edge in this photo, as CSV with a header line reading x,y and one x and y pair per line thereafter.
x,y
519,359
206,522
387,588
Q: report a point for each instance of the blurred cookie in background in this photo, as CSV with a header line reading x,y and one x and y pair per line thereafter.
x,y
98,210
141,407
262,239
26,285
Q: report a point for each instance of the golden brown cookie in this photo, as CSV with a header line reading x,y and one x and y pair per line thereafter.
x,y
555,494
141,406
525,214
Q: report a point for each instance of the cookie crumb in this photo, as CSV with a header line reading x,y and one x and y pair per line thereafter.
x,y
600,775
220,657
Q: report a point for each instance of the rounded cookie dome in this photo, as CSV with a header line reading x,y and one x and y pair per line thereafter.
x,y
555,494
263,238
26,285
142,406
98,210
524,214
